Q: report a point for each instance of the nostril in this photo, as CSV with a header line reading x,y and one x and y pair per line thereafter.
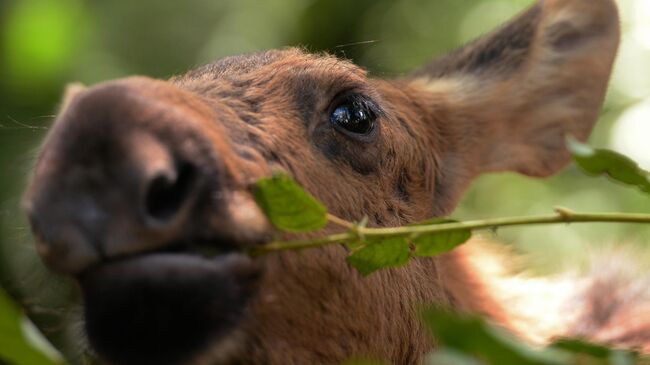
x,y
166,195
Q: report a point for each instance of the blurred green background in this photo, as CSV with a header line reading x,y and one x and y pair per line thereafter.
x,y
45,44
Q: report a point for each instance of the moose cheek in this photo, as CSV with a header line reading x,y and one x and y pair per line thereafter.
x,y
362,157
164,308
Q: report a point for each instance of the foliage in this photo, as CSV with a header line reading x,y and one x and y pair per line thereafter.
x,y
288,207
291,209
432,245
470,340
375,255
20,342
619,168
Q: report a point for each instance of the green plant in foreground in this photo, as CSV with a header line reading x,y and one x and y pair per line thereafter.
x,y
465,339
20,341
470,340
291,209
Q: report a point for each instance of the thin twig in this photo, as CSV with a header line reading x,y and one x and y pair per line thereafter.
x,y
340,221
561,215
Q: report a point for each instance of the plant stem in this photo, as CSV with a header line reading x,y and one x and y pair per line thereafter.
x,y
562,215
339,221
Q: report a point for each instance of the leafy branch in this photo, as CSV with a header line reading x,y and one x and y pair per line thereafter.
x,y
291,209
561,215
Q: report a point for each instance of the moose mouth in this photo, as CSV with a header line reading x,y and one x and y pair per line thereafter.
x,y
165,307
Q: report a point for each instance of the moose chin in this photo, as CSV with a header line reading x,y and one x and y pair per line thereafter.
x,y
142,192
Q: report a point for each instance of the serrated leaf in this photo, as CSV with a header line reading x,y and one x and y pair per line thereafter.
x,y
390,252
598,162
474,337
287,206
432,244
20,342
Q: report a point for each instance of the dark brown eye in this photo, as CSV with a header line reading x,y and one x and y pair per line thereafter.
x,y
354,116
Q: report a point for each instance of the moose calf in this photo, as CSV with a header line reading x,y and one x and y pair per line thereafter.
x,y
137,176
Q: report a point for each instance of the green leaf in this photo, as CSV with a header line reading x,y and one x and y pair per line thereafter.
x,y
598,162
613,356
432,244
20,342
474,337
390,252
288,206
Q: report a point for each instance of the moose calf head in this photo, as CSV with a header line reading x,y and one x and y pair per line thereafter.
x,y
139,177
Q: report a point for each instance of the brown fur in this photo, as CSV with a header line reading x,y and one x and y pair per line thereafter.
x,y
504,102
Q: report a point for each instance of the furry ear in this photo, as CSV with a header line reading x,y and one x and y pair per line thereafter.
x,y
510,97
71,90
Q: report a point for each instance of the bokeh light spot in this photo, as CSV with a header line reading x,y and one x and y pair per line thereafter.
x,y
631,131
40,37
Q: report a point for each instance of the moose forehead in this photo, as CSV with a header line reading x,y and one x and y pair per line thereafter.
x,y
249,81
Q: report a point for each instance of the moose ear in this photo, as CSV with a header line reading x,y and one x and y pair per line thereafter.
x,y
71,91
510,98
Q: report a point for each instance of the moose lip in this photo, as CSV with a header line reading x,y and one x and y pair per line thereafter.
x,y
179,260
200,250
165,307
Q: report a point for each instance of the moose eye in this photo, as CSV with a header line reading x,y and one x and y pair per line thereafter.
x,y
354,116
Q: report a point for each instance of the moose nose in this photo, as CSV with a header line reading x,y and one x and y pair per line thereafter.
x,y
107,184
164,184
165,193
